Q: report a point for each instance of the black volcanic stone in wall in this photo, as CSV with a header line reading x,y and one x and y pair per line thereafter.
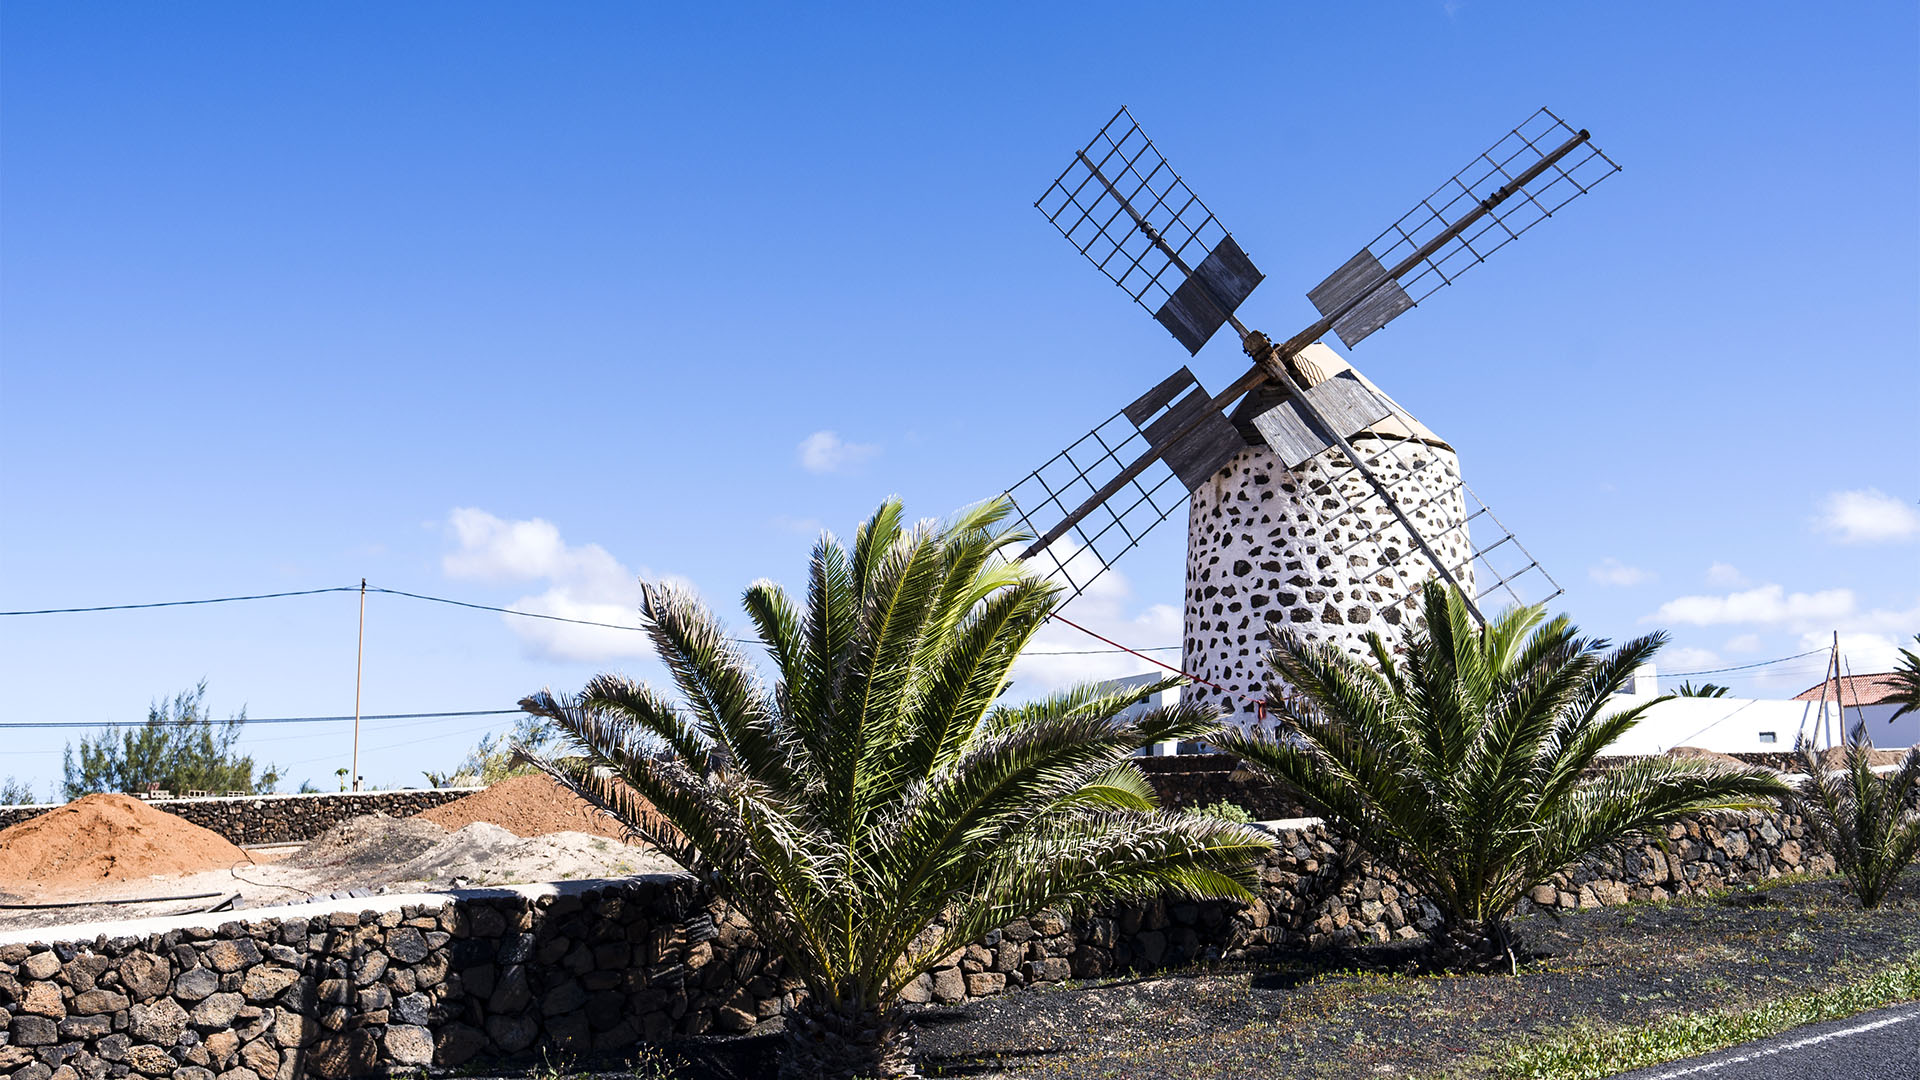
x,y
493,975
269,819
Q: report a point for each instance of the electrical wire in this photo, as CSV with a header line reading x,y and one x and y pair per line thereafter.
x,y
183,603
511,611
1743,667
1116,647
252,720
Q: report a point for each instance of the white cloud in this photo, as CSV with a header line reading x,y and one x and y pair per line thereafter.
x,y
1612,571
493,549
1745,643
1868,516
1107,608
1725,575
1766,605
584,582
1860,653
1688,659
799,526
826,452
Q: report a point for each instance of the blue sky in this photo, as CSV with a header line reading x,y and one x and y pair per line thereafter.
x,y
512,303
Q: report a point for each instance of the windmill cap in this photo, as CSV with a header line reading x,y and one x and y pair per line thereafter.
x,y
1401,425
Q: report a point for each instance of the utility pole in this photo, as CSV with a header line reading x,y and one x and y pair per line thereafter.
x,y
359,657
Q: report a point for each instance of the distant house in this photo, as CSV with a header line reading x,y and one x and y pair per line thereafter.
x,y
1731,725
1866,702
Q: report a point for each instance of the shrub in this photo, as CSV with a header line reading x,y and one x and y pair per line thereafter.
x,y
877,807
1465,766
1868,821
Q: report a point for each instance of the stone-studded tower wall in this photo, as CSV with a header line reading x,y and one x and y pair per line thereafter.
x,y
1264,542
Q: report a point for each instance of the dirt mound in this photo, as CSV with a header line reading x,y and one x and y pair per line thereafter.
x,y
375,851
1695,753
102,838
531,805
368,842
1836,757
486,854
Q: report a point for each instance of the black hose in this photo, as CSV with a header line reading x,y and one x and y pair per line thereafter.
x,y
91,903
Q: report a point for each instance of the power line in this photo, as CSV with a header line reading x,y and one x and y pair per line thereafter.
x,y
511,611
1743,667
619,626
182,603
1092,652
250,720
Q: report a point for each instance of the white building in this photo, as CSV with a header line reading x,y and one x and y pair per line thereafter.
x,y
1731,725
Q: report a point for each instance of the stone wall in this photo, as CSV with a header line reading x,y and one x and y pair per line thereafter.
x,y
342,989
269,819
354,986
1184,781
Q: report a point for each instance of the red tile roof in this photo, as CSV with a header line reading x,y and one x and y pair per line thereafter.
x,y
1874,689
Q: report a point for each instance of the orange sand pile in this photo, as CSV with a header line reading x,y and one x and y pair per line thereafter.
x,y
530,805
103,838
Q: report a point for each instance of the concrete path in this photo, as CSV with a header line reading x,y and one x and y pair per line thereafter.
x,y
1882,1045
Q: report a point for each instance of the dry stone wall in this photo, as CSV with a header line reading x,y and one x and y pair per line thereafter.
x,y
393,983
1185,781
270,819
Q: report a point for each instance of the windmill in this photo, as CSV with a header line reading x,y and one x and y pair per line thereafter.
x,y
1313,496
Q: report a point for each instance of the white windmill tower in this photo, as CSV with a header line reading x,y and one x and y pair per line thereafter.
x,y
1316,499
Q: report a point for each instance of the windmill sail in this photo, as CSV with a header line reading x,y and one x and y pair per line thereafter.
x,y
1123,207
1477,195
1365,486
1190,440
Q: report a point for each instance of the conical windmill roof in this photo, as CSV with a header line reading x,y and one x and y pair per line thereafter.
x,y
1401,425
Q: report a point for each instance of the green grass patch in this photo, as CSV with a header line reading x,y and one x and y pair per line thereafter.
x,y
1589,1054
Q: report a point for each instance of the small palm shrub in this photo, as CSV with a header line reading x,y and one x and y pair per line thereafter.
x,y
1224,810
1465,766
1869,822
876,806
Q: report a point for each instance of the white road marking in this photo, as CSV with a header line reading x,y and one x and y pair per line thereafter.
x,y
1797,1044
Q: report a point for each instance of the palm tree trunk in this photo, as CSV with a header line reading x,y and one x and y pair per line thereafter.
x,y
838,1041
1479,945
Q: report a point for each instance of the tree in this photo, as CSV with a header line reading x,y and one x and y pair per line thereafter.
x,y
499,756
1906,682
876,807
1688,689
179,748
16,793
1867,821
1466,766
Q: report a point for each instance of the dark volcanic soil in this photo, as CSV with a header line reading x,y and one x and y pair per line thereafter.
x,y
1361,1014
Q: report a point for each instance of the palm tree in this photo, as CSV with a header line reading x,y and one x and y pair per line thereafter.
x,y
1465,766
1688,689
876,807
1906,682
1867,821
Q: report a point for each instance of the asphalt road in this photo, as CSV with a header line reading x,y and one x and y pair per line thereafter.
x,y
1882,1045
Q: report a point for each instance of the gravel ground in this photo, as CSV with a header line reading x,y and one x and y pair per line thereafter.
x,y
1368,1013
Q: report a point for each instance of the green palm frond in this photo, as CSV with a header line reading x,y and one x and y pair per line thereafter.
x,y
879,788
1906,681
1870,823
1466,763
